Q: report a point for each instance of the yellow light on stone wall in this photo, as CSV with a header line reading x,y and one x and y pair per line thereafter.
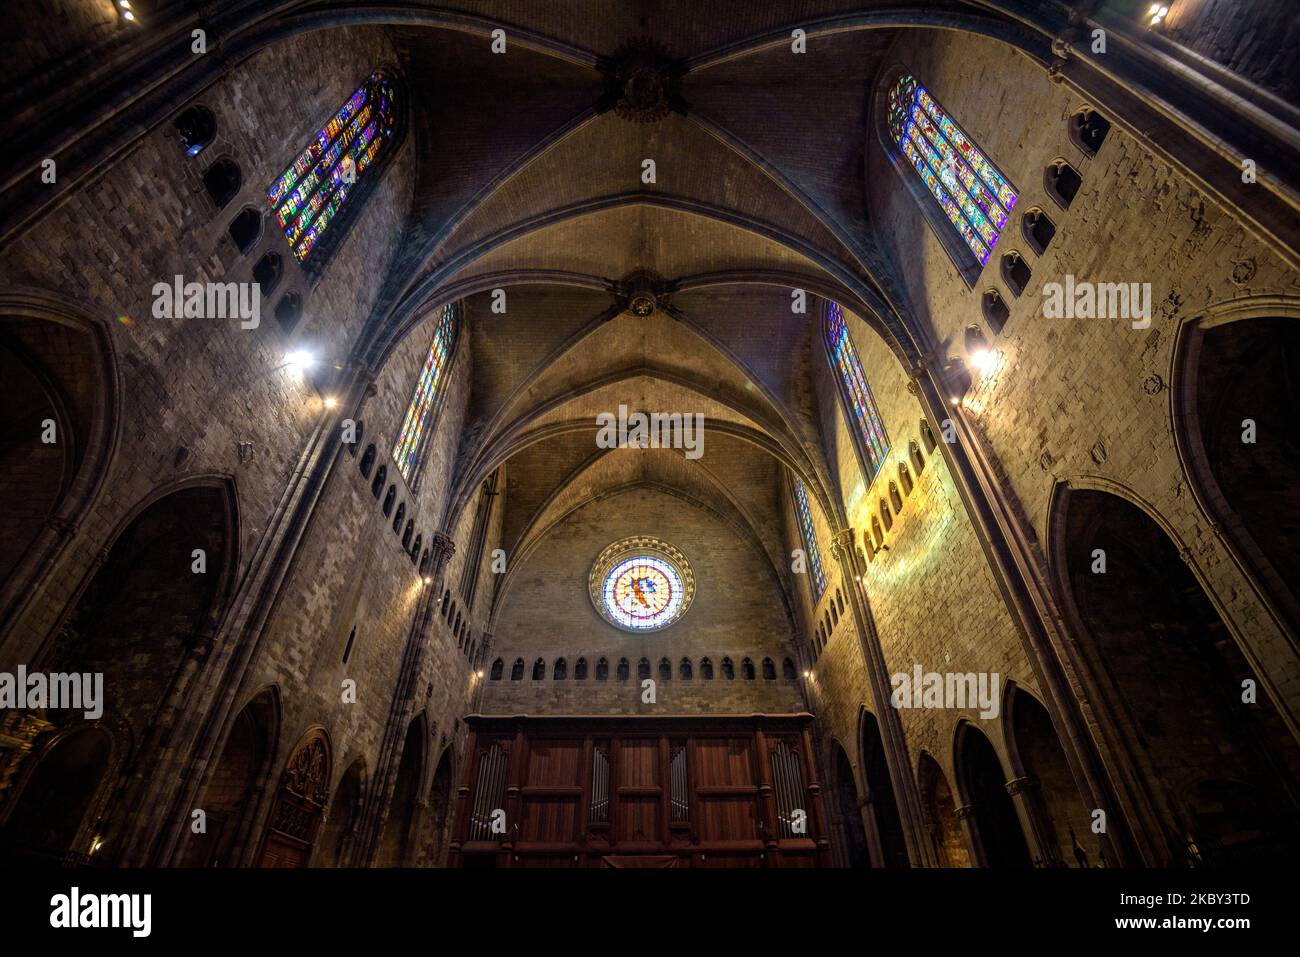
x,y
983,359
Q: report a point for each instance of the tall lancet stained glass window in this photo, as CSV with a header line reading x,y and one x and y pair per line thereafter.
x,y
866,417
310,197
409,447
972,194
815,573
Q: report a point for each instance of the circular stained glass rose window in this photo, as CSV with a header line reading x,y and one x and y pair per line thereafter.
x,y
641,584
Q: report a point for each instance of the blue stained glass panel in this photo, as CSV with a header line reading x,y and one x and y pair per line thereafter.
x,y
972,194
871,430
433,374
809,539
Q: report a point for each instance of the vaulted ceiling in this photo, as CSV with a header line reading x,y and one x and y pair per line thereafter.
x,y
529,179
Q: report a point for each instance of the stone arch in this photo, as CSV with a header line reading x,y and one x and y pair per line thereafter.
x,y
58,816
234,787
941,814
397,844
58,362
145,617
440,805
337,834
982,784
1052,808
847,820
884,823
1216,777
1230,370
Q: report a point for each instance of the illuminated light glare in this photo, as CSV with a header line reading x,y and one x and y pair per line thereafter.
x,y
478,674
983,359
331,402
128,15
429,581
124,4
807,674
299,360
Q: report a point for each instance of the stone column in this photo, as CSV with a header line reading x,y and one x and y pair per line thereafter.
x,y
906,793
1034,822
402,708
1015,558
966,815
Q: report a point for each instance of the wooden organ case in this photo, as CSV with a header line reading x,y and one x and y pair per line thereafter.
x,y
672,791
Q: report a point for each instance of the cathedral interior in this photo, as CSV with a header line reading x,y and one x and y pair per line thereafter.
x,y
614,433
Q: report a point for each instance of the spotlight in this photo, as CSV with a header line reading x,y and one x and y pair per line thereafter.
x,y
299,360
807,674
330,402
479,674
429,581
983,359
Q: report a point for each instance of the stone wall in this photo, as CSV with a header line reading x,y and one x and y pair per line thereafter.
x,y
545,612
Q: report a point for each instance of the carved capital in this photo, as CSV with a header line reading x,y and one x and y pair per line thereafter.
x,y
965,811
1016,785
842,546
441,549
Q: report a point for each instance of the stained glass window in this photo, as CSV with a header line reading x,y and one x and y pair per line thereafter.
x,y
310,195
871,430
410,441
973,195
815,572
643,592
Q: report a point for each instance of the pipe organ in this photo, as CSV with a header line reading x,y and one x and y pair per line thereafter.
x,y
667,791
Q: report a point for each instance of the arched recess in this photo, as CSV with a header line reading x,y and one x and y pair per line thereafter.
x,y
337,835
1236,399
848,814
1058,815
144,617
438,820
58,364
234,788
397,843
940,810
1218,772
982,782
882,815
155,599
299,806
56,818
